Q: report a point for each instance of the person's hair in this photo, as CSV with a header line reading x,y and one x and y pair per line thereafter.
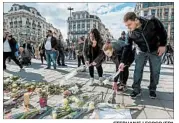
x,y
130,16
82,38
96,35
50,31
123,33
107,46
10,36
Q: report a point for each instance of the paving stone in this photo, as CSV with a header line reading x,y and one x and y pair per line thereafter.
x,y
156,114
168,105
165,96
152,103
171,114
100,89
138,114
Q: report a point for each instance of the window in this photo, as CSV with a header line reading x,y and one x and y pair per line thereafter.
x,y
74,26
94,25
15,8
153,12
83,16
146,13
78,16
88,25
166,10
78,26
153,4
83,25
145,5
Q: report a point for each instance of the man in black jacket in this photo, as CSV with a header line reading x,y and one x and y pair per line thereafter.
x,y
9,50
50,46
151,37
61,53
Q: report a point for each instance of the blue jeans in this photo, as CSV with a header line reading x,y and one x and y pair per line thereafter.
x,y
51,56
155,66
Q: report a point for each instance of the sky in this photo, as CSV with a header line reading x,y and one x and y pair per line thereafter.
x,y
111,14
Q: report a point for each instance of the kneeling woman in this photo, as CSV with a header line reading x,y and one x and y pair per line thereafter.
x,y
114,51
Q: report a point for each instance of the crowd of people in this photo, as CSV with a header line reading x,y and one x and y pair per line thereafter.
x,y
145,41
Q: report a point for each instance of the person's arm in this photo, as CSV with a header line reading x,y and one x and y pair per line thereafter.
x,y
100,58
127,49
162,33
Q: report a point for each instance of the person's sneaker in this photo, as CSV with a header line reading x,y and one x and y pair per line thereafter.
x,y
47,68
134,94
91,81
64,65
152,95
122,88
59,64
100,80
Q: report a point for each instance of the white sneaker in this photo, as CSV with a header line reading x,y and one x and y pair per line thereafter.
x,y
91,81
100,80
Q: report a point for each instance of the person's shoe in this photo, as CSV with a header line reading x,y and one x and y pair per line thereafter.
x,y
64,65
100,80
59,64
55,68
47,68
91,81
152,95
134,94
122,88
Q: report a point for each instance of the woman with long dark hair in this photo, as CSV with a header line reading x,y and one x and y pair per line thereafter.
x,y
92,49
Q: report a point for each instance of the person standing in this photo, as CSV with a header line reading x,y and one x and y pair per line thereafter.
x,y
123,36
92,49
9,50
50,47
61,52
42,53
151,38
79,51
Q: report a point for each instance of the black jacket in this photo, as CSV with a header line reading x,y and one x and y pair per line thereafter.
x,y
53,43
12,44
118,48
28,46
148,37
60,46
91,56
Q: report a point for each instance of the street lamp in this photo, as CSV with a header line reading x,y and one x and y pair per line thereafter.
x,y
70,9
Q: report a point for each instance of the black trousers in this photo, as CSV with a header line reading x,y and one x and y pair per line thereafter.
x,y
80,58
99,70
12,56
61,56
42,55
123,76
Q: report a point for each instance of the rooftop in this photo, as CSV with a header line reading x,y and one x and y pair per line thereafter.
x,y
24,7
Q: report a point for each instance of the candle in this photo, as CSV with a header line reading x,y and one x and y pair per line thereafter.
x,y
26,100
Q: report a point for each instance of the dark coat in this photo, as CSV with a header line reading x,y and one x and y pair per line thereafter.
x,y
54,43
148,37
12,44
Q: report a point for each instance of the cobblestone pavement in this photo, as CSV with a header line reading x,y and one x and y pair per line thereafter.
x,y
162,107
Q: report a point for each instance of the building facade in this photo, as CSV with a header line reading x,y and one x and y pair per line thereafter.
x,y
81,22
26,23
164,11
